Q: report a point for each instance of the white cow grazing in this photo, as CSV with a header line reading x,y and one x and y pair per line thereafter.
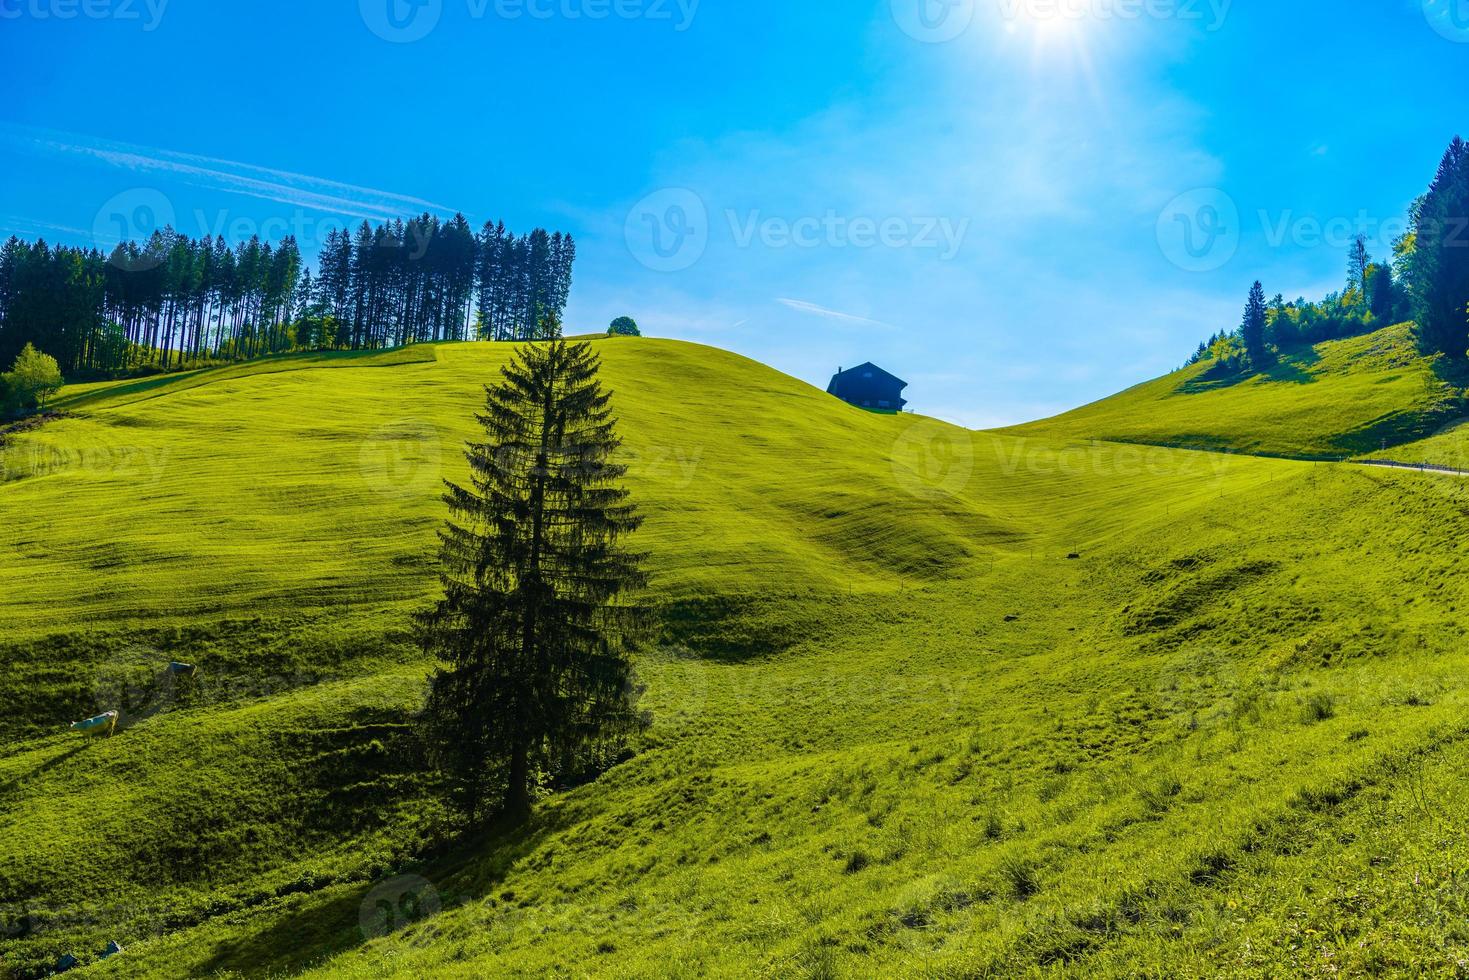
x,y
103,724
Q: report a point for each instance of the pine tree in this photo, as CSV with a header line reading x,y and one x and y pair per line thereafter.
x,y
1381,291
1357,264
1252,330
535,628
1437,260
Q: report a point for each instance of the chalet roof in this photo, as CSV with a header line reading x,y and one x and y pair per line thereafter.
x,y
876,371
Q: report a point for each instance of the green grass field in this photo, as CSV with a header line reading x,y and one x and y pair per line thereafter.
x,y
1343,398
898,730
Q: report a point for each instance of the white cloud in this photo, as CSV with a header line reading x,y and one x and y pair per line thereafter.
x,y
802,306
30,228
264,183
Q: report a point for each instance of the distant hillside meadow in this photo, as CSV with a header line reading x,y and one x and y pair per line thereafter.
x,y
1145,689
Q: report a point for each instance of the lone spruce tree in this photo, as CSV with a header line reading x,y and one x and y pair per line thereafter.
x,y
535,628
1252,330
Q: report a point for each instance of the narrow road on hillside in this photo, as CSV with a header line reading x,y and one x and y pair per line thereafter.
x,y
1416,467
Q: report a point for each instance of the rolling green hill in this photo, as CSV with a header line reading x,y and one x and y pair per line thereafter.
x,y
898,728
1341,398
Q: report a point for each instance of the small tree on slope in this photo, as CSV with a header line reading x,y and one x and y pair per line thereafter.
x,y
534,630
34,378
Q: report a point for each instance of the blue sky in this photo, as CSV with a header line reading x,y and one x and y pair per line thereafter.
x,y
1017,205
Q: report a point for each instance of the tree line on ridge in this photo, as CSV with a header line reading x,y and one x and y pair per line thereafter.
x,y
175,301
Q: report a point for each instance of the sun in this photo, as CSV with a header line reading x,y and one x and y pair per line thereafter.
x,y
1061,36
1045,23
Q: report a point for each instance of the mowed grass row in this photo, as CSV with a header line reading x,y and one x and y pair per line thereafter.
x,y
896,726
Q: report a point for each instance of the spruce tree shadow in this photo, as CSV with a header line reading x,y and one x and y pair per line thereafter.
x,y
139,386
1447,414
1453,372
1294,367
737,628
311,927
1219,376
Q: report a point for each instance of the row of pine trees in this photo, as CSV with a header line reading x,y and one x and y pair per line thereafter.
x,y
174,300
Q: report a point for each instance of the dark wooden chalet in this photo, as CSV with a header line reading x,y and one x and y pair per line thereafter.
x,y
870,387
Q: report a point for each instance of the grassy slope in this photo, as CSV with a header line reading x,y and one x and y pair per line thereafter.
x,y
274,523
236,494
896,728
1449,446
1341,398
1093,787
